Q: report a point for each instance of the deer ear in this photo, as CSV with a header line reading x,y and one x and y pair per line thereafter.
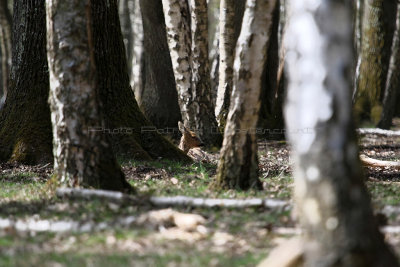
x,y
181,127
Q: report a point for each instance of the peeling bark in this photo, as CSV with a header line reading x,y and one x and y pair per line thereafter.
x,y
82,157
238,166
332,201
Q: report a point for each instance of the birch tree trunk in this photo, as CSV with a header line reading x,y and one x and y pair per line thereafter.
x,y
137,53
188,44
231,17
5,44
392,81
82,157
332,201
379,19
238,165
226,57
159,98
25,126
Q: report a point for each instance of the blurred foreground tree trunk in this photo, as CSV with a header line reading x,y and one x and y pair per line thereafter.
x,y
238,165
82,157
378,24
332,200
158,98
25,127
5,44
392,81
188,44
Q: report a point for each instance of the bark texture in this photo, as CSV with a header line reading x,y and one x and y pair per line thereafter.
x,y
132,133
231,17
25,127
188,43
5,44
392,81
332,201
378,26
83,157
238,165
159,99
227,46
137,53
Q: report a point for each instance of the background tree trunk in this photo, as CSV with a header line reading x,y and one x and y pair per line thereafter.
x,y
274,84
233,20
238,165
379,20
82,156
137,54
332,201
159,99
227,45
133,135
25,127
392,81
5,44
124,9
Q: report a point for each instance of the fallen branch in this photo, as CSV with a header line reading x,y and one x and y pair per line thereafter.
x,y
377,131
367,161
172,201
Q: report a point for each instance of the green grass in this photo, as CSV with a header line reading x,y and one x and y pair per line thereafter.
x,y
385,193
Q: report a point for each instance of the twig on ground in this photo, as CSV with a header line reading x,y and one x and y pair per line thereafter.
x,y
173,201
367,161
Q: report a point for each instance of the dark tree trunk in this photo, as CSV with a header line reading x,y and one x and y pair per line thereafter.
x,y
83,157
332,200
159,99
378,24
273,80
392,82
133,134
5,44
25,127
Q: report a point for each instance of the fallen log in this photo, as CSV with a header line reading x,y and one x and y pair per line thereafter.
x,y
75,193
377,131
370,162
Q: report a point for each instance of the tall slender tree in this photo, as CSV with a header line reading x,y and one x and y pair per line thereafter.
x,y
331,198
25,127
82,157
238,165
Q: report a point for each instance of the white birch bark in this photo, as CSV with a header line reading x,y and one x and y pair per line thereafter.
x,y
226,58
137,53
238,166
179,42
82,154
331,199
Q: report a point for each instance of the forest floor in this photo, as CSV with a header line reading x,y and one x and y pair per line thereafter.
x,y
39,229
